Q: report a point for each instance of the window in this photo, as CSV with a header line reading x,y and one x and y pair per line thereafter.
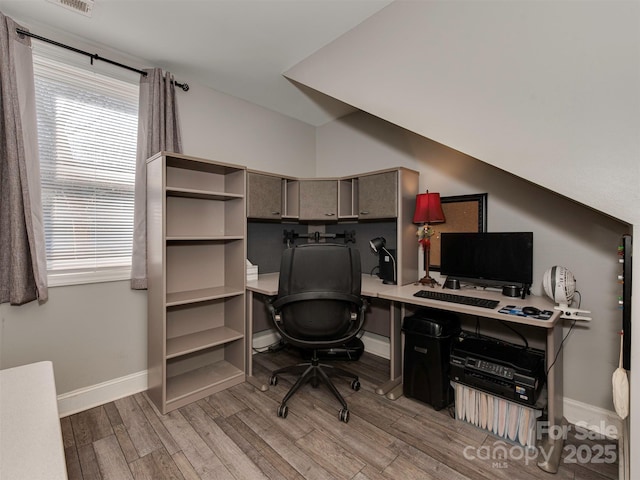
x,y
87,129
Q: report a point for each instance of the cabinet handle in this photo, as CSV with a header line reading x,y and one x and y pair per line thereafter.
x,y
330,214
364,212
275,213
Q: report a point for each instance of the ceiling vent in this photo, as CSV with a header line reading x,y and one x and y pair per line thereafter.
x,y
85,7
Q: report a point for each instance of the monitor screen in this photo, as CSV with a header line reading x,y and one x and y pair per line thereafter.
x,y
499,258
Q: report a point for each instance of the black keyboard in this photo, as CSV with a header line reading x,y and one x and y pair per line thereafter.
x,y
452,298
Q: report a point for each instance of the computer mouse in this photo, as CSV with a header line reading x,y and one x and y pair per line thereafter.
x,y
531,311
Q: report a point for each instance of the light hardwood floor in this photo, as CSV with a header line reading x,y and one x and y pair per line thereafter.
x,y
235,434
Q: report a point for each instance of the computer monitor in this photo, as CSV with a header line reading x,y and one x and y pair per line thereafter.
x,y
488,258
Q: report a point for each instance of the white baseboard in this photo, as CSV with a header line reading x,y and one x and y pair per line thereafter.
x,y
105,392
264,338
376,345
596,419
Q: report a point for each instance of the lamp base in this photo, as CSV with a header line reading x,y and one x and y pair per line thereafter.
x,y
427,280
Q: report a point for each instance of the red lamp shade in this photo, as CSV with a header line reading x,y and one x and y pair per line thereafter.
x,y
428,208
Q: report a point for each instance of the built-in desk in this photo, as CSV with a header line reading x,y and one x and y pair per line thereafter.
x,y
401,297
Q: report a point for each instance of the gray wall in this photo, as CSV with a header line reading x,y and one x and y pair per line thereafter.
x,y
97,333
565,233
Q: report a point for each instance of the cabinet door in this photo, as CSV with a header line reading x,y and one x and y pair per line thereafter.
x,y
318,200
378,196
264,196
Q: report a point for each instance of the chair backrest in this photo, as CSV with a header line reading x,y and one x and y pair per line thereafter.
x,y
319,291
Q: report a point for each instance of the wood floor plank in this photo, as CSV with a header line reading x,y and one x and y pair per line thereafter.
x,y
376,409
272,464
420,466
67,433
153,417
255,449
210,410
126,445
221,445
201,457
185,467
358,437
140,431
111,461
443,418
88,463
91,425
158,465
223,403
74,470
113,414
284,446
266,406
331,455
370,473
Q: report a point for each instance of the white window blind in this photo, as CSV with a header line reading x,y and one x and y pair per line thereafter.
x,y
87,129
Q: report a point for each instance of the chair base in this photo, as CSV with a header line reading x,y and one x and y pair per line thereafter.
x,y
315,372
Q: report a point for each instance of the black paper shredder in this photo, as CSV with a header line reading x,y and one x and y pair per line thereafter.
x,y
428,334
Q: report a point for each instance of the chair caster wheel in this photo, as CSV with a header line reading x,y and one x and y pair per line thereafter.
x,y
344,415
355,385
273,380
283,411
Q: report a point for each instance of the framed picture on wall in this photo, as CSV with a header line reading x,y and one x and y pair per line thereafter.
x,y
462,213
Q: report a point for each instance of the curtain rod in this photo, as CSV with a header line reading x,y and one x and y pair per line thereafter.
x,y
94,56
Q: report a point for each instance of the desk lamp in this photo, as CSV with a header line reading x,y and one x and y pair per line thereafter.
x,y
428,211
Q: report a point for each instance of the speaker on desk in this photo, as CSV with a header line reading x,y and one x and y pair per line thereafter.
x,y
427,345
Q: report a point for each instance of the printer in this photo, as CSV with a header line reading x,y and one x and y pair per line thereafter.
x,y
497,367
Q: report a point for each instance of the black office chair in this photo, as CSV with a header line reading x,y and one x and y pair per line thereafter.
x,y
318,306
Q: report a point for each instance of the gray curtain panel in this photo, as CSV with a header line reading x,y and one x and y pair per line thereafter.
x,y
158,131
23,271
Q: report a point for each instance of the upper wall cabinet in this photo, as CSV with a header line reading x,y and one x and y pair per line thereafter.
x,y
388,194
378,195
264,196
319,200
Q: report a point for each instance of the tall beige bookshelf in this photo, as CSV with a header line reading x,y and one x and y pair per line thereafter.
x,y
196,251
